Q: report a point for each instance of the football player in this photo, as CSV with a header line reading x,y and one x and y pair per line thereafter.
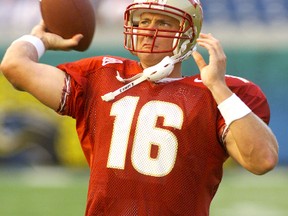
x,y
155,141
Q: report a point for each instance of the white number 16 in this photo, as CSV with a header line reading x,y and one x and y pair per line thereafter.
x,y
146,135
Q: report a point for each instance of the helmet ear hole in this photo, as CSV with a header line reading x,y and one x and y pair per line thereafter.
x,y
175,44
184,46
181,48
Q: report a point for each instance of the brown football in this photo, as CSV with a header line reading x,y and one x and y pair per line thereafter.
x,y
69,17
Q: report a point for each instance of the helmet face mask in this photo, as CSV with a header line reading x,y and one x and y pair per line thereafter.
x,y
187,12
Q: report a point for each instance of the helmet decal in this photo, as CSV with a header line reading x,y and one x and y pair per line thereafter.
x,y
195,2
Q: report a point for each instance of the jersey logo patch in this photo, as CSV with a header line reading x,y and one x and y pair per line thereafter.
x,y
109,60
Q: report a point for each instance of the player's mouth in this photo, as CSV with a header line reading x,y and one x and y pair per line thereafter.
x,y
149,46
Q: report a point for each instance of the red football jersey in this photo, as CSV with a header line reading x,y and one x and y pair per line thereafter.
x,y
156,149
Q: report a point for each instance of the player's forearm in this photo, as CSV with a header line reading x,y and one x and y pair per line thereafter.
x,y
16,64
255,147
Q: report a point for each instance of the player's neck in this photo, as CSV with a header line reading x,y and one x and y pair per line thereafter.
x,y
177,71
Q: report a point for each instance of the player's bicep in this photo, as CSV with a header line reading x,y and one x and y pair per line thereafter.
x,y
46,83
20,67
231,147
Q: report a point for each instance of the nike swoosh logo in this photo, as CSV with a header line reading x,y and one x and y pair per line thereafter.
x,y
197,80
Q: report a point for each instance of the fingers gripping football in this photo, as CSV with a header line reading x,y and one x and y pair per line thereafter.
x,y
53,41
68,18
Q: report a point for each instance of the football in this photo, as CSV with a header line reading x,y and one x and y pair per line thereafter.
x,y
68,18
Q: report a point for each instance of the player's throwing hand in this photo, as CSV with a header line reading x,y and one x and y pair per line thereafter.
x,y
53,41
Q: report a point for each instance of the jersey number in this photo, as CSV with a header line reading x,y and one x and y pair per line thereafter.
x,y
146,135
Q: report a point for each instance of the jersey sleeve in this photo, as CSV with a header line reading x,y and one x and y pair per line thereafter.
x,y
79,75
76,81
251,95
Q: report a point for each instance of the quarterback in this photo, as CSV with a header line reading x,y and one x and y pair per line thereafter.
x,y
155,141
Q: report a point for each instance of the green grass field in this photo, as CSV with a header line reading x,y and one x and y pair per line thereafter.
x,y
244,194
61,192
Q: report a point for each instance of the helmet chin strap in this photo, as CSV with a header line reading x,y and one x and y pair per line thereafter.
x,y
153,74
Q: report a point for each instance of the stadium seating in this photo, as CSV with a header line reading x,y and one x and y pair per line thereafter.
x,y
252,11
18,16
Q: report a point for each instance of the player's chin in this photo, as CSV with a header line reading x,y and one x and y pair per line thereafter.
x,y
154,55
151,59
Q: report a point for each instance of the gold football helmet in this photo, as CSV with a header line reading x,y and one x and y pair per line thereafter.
x,y
188,12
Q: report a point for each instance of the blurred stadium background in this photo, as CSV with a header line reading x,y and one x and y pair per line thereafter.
x,y
42,168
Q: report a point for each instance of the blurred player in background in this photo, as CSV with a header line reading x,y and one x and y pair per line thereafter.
x,y
155,141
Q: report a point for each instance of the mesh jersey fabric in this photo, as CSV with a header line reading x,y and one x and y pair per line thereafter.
x,y
156,148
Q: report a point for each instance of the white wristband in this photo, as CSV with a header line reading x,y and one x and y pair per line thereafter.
x,y
36,42
233,108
